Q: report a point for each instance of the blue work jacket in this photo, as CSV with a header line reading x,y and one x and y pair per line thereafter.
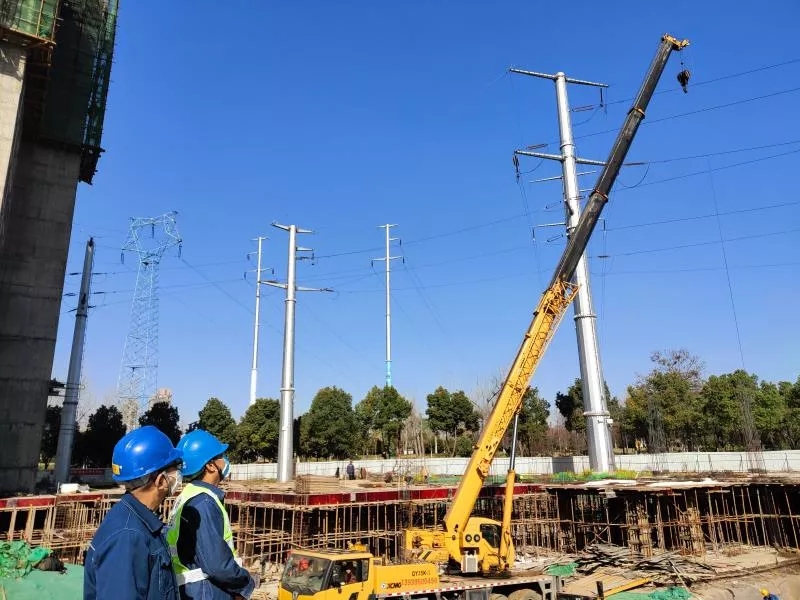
x,y
201,546
128,558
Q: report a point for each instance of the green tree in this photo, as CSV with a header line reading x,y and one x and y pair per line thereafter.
x,y
791,420
385,411
667,400
52,424
721,409
570,405
769,412
328,429
533,416
257,434
366,416
215,417
164,416
464,446
452,414
94,446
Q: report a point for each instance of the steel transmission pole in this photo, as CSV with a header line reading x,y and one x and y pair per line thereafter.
x,y
66,433
388,258
595,404
257,326
285,437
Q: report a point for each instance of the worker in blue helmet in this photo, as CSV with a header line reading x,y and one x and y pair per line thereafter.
x,y
199,533
128,558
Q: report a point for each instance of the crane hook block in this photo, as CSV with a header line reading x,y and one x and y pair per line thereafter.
x,y
683,79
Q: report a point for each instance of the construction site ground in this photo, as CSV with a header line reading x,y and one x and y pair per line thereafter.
x,y
706,532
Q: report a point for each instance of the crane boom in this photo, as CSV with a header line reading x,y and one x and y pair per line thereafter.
x,y
458,541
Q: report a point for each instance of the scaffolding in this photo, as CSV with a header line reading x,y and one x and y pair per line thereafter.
x,y
724,519
32,20
70,47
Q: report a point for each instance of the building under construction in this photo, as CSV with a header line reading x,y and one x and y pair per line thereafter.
x,y
641,519
55,66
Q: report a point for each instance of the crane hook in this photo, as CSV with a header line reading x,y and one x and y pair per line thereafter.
x,y
683,79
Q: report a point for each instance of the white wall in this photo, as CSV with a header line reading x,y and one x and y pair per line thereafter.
x,y
738,462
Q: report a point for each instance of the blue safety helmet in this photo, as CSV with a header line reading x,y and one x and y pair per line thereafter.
x,y
141,452
199,447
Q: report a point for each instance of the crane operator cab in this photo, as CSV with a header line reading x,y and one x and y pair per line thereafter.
x,y
480,546
325,576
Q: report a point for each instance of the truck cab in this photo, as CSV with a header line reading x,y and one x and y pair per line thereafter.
x,y
326,576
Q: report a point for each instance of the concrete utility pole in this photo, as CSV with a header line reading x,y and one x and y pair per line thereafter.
x,y
388,259
598,419
285,439
257,327
66,433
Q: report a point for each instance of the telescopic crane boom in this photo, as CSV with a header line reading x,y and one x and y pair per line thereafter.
x,y
479,545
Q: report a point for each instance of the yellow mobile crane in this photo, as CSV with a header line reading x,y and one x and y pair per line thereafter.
x,y
466,544
479,545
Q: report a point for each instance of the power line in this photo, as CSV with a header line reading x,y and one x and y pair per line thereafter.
x,y
703,269
716,79
697,244
220,288
709,170
722,152
697,111
706,216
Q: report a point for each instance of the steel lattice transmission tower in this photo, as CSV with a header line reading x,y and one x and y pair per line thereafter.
x,y
149,239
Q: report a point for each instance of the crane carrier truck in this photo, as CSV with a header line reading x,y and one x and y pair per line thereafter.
x,y
441,563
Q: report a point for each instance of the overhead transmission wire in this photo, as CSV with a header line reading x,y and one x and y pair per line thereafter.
x,y
642,184
696,112
715,80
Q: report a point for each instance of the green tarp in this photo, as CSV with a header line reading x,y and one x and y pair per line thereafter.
x,y
18,558
46,585
562,570
673,593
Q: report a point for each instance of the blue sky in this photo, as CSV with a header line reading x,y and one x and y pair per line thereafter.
x,y
343,116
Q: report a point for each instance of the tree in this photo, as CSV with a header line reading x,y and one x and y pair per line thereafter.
x,y
95,445
665,404
383,411
451,413
570,405
328,429
52,425
257,433
366,415
165,417
533,416
215,417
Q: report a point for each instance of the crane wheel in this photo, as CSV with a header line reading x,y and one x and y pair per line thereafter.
x,y
524,594
498,597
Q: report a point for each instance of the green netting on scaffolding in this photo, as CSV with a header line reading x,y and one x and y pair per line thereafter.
x,y
46,585
18,558
35,18
564,570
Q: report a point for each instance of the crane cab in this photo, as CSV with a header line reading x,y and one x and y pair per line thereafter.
x,y
480,547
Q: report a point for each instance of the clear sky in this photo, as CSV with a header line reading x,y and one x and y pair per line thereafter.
x,y
341,116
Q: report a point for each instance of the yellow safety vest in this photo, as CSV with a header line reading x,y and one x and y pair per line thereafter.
x,y
183,573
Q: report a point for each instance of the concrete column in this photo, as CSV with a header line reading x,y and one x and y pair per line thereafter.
x,y
12,74
32,263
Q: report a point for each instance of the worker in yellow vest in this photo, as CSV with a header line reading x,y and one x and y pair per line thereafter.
x,y
199,533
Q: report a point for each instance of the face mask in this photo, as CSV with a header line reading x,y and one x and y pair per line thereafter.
x,y
226,470
174,483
